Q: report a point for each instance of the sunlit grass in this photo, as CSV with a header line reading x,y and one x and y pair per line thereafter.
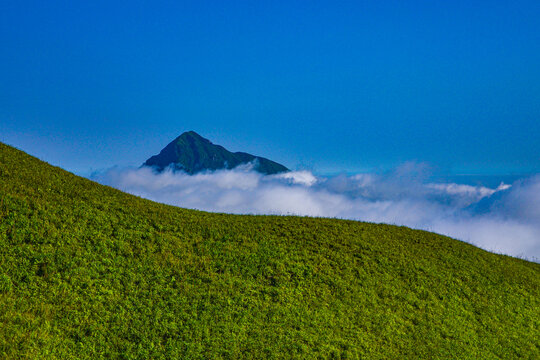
x,y
87,271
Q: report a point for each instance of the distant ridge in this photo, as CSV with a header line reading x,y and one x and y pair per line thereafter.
x,y
192,153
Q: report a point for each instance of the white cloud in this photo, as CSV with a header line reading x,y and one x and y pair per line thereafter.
x,y
505,219
475,193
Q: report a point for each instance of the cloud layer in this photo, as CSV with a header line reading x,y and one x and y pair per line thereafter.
x,y
505,219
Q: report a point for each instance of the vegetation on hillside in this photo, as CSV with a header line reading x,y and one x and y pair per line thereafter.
x,y
87,271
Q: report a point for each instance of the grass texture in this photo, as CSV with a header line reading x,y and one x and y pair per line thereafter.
x,y
89,272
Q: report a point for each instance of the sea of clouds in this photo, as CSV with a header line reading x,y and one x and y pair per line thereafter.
x,y
505,219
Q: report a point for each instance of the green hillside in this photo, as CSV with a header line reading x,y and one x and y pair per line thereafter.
x,y
87,271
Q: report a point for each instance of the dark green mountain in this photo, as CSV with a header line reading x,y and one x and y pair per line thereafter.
x,y
192,153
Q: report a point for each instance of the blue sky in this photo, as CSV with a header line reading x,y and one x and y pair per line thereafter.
x,y
331,87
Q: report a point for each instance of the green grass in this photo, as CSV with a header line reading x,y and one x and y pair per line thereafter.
x,y
87,271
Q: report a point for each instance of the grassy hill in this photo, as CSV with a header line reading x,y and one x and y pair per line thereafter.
x,y
87,271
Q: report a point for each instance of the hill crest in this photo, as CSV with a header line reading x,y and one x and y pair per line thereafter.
x,y
87,272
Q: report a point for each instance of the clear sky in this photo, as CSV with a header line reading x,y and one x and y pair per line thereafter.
x,y
324,85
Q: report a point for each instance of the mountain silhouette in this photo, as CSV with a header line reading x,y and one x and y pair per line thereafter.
x,y
192,153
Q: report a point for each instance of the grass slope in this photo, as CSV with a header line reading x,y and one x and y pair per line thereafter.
x,y
87,271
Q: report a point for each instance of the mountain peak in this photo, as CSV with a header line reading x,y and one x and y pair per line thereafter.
x,y
191,134
192,153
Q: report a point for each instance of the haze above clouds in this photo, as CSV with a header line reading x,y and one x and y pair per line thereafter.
x,y
505,219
